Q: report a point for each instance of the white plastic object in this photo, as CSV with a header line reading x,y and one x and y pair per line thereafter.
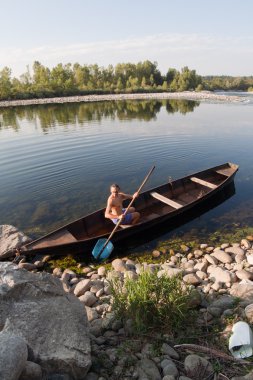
x,y
241,341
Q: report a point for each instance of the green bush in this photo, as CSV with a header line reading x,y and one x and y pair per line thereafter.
x,y
152,303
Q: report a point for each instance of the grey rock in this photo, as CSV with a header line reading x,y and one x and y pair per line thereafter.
x,y
192,279
101,271
245,244
52,322
212,260
239,258
13,356
168,350
214,311
249,313
224,245
201,275
130,274
10,240
223,303
57,272
198,253
170,369
148,370
82,287
100,292
243,291
222,256
31,371
250,258
170,272
235,250
228,313
95,288
219,274
27,266
195,364
201,266
89,299
96,327
119,265
39,264
91,313
243,274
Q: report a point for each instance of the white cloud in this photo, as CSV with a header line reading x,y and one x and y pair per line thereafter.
x,y
207,54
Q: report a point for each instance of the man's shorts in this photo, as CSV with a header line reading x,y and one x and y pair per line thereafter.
x,y
127,219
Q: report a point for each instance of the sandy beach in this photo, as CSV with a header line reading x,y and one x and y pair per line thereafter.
x,y
187,95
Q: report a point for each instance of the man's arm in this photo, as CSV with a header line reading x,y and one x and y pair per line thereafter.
x,y
128,196
108,209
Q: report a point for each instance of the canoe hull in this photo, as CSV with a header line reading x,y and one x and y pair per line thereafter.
x,y
193,184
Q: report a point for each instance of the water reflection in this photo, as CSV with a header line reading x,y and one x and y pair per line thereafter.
x,y
71,113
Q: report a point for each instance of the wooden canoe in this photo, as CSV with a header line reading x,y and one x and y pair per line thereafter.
x,y
156,206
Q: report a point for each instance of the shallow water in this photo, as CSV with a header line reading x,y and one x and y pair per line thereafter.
x,y
57,161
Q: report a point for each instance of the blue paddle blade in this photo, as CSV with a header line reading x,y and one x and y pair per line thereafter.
x,y
101,254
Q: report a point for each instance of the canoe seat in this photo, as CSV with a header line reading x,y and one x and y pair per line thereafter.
x,y
166,200
204,183
225,172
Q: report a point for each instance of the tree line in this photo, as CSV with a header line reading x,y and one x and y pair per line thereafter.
x,y
76,79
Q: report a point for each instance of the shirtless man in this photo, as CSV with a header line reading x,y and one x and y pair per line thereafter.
x,y
114,209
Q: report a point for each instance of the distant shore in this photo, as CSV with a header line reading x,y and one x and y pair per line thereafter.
x,y
187,95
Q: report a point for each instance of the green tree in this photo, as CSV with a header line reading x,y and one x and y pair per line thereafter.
x,y
5,83
41,79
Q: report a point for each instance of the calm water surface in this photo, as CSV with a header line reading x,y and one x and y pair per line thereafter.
x,y
57,161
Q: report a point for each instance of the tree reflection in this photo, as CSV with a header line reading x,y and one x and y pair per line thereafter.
x,y
48,116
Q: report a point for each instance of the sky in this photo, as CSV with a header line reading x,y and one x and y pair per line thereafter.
x,y
213,37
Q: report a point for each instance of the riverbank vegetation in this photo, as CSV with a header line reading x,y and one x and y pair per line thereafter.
x,y
76,79
153,303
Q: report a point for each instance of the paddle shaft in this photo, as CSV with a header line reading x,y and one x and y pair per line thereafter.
x,y
128,207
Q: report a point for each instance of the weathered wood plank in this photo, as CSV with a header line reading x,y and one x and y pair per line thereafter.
x,y
226,172
166,200
204,183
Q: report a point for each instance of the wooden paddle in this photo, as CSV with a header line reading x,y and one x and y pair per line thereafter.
x,y
101,244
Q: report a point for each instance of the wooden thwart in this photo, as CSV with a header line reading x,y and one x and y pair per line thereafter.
x,y
166,200
204,183
225,172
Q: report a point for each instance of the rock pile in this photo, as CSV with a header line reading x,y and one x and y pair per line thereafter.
x,y
191,95
219,276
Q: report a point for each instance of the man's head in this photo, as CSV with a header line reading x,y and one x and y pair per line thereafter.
x,y
114,188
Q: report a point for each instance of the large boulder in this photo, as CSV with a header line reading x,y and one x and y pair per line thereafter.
x,y
52,322
10,240
13,356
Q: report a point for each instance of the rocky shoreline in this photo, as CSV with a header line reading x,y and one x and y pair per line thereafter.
x,y
65,325
187,95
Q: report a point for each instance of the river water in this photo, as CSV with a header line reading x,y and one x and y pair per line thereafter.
x,y
58,161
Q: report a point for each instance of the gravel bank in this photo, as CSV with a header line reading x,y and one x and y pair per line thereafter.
x,y
188,95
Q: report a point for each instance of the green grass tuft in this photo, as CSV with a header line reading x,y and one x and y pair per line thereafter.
x,y
153,304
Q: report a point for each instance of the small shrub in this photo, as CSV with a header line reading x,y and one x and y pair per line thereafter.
x,y
153,303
